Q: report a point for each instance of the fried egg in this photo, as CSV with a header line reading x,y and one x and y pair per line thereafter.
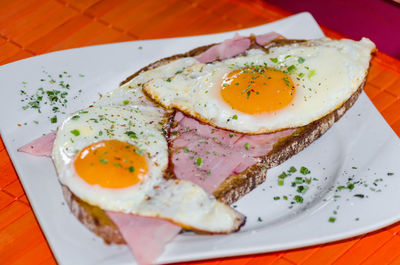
x,y
115,157
284,86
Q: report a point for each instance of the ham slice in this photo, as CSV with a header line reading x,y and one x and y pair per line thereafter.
x,y
267,37
227,49
207,156
145,236
235,46
41,146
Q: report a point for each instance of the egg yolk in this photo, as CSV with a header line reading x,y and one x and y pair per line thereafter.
x,y
111,164
255,90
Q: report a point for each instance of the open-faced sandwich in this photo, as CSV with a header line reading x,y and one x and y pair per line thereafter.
x,y
188,135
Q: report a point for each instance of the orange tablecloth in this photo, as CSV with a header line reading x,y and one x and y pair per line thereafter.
x,y
32,27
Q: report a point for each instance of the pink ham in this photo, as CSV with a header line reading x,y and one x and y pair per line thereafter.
x,y
226,49
41,146
232,47
267,37
145,236
207,156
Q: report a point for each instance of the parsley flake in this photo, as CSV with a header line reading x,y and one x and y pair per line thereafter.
x,y
76,132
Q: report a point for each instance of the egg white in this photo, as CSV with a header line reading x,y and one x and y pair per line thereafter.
x,y
179,201
327,72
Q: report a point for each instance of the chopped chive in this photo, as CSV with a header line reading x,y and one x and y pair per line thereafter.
x,y
125,102
332,219
131,169
247,146
103,161
76,132
304,171
291,69
53,119
298,199
283,175
301,60
280,181
234,117
75,117
131,134
199,161
292,169
286,81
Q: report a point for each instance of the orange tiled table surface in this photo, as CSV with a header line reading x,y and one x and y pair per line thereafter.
x,y
32,27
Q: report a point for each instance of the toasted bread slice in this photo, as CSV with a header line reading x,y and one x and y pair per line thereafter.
x,y
235,186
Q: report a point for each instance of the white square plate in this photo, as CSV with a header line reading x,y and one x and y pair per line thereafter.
x,y
361,146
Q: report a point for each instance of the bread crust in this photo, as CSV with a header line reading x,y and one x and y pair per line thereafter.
x,y
235,186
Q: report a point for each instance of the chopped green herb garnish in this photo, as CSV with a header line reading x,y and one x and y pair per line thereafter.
x,y
139,152
125,102
311,73
298,199
359,195
291,69
390,173
199,161
292,170
76,132
131,134
350,186
117,165
231,135
131,169
234,117
304,171
103,161
168,79
283,175
277,198
280,181
259,219
274,60
302,189
332,219
301,60
247,146
286,81
75,117
53,119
